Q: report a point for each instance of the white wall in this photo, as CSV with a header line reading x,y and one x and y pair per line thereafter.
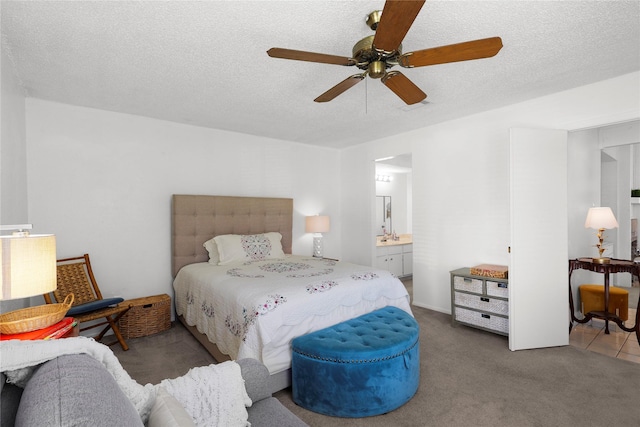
x,y
13,156
102,182
620,202
600,174
460,179
584,192
13,149
617,143
358,204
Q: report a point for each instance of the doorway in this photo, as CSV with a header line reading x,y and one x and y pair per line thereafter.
x,y
394,198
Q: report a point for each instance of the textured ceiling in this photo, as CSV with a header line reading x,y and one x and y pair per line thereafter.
x,y
205,63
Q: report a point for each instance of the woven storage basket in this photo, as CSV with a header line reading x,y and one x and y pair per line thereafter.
x,y
34,318
146,316
491,305
484,320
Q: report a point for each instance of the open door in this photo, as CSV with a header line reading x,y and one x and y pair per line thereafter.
x,y
538,267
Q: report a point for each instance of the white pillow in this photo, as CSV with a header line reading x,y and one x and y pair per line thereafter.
x,y
212,248
168,412
251,247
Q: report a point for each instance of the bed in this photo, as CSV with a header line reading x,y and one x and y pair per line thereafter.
x,y
255,297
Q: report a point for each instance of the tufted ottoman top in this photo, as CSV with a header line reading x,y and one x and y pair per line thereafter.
x,y
382,334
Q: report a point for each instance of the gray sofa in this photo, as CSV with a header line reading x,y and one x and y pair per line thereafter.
x,y
76,390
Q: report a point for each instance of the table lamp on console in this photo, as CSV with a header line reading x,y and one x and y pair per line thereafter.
x,y
28,269
601,218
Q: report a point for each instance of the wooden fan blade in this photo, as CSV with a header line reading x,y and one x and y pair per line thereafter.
x,y
397,17
484,48
403,87
300,55
341,87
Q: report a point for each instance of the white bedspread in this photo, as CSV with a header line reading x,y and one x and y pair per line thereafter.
x,y
254,309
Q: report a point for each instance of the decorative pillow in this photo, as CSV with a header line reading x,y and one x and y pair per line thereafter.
x,y
168,412
251,247
212,247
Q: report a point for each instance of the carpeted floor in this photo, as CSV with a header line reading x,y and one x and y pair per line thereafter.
x,y
470,378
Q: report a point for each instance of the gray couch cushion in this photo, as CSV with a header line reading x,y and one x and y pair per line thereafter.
x,y
10,400
75,390
265,410
256,379
271,412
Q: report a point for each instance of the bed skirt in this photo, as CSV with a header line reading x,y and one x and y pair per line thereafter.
x,y
277,382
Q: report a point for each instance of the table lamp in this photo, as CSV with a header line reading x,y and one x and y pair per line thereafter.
x,y
28,268
317,224
601,218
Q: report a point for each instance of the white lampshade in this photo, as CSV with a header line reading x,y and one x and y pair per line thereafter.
x,y
600,217
317,224
28,265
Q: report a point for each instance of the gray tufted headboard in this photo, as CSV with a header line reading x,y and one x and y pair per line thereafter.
x,y
196,219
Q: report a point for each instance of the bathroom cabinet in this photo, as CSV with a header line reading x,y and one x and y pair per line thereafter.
x,y
397,258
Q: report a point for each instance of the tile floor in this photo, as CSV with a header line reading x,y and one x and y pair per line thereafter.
x,y
618,343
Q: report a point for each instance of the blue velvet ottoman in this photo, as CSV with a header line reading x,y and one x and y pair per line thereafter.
x,y
365,366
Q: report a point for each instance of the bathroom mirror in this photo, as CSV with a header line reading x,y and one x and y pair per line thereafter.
x,y
383,214
397,187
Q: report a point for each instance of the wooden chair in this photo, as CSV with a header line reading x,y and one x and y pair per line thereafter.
x,y
76,276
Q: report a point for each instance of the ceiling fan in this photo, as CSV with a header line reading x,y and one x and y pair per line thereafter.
x,y
376,54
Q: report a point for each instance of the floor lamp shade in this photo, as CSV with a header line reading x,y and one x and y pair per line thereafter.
x,y
28,266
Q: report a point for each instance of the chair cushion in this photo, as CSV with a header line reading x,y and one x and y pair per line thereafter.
x,y
592,298
93,305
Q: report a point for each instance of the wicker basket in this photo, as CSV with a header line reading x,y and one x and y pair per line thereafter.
x,y
34,318
147,316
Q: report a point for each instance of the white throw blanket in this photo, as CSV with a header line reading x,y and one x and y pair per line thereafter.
x,y
202,391
199,392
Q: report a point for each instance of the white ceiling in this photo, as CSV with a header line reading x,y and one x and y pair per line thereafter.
x,y
205,63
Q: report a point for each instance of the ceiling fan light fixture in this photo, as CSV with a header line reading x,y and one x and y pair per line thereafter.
x,y
377,69
373,19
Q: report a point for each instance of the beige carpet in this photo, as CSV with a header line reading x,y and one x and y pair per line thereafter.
x,y
470,378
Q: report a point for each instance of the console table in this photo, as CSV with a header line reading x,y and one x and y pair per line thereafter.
x,y
615,266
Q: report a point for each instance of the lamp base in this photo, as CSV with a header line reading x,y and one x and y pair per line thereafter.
x,y
601,260
317,246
